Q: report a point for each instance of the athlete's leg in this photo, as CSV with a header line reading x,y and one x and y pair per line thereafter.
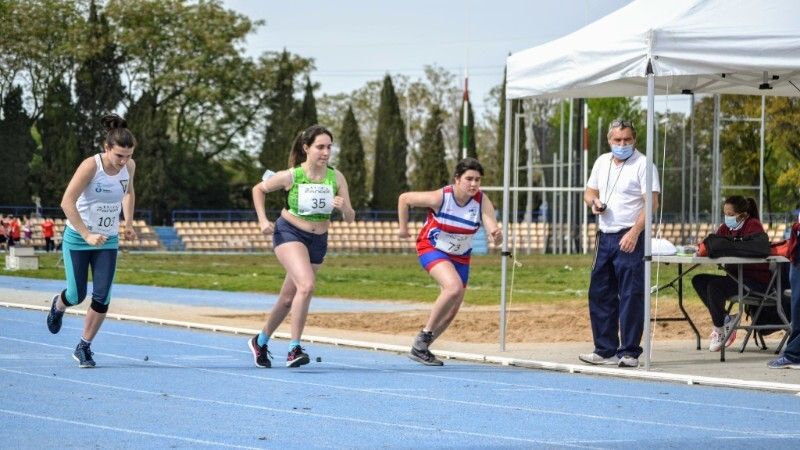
x,y
104,266
450,297
283,305
294,257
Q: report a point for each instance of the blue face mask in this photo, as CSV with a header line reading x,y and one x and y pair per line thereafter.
x,y
622,152
731,222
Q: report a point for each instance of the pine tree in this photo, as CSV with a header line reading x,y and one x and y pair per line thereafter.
x,y
282,126
472,148
60,153
430,172
98,86
308,111
391,149
16,151
351,160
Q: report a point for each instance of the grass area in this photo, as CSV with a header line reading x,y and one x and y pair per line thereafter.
x,y
537,278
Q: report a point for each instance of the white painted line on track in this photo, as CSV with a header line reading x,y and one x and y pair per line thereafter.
x,y
392,425
123,430
518,362
511,386
431,399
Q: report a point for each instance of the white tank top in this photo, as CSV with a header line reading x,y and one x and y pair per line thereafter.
x,y
100,204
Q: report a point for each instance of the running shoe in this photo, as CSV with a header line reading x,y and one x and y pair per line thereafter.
x,y
425,357
783,362
597,360
297,357
261,355
83,354
54,316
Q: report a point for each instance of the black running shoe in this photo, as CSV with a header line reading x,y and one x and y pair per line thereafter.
x,y
261,355
424,357
83,354
54,317
297,357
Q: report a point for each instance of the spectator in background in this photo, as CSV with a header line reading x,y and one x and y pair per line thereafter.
x,y
14,230
48,228
27,231
3,233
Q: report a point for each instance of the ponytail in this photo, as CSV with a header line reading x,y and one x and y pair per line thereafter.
x,y
743,205
305,138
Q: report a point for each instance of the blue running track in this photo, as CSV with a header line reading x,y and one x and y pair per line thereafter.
x,y
161,387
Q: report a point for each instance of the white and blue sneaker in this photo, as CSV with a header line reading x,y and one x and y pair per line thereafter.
x,y
783,363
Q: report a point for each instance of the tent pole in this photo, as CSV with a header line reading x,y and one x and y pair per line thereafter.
x,y
570,170
648,214
716,206
694,198
505,254
761,158
585,166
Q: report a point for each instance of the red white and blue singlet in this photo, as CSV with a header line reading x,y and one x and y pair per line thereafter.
x,y
447,233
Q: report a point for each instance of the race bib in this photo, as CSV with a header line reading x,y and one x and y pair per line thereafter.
x,y
104,218
314,199
454,244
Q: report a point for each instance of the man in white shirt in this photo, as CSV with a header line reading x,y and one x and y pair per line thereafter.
x,y
616,192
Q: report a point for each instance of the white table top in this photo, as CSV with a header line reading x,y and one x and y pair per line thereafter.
x,y
691,259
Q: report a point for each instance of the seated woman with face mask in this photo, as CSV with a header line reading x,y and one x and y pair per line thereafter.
x,y
741,219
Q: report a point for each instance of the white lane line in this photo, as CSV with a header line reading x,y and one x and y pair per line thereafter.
x,y
392,425
488,382
444,400
123,430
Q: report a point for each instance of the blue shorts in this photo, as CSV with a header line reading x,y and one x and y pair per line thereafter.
x,y
317,244
433,257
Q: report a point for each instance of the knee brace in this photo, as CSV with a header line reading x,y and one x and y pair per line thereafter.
x,y
67,303
99,307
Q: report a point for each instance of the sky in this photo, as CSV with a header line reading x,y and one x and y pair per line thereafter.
x,y
353,42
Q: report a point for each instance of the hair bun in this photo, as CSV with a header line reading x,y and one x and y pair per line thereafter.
x,y
112,121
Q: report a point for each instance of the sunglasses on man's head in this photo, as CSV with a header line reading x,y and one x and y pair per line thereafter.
x,y
620,124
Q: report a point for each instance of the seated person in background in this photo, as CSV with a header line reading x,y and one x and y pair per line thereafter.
x,y
741,219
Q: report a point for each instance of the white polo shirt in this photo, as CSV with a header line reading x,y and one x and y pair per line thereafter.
x,y
622,188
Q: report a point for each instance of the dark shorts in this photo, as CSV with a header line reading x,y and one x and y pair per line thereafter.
x,y
317,244
434,257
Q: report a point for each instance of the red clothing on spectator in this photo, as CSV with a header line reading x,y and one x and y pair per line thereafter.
x,y
755,272
15,229
47,228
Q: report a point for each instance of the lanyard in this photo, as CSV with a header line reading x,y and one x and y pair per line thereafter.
x,y
608,177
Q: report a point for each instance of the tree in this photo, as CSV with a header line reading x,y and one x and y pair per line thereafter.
x,y
156,168
282,125
60,154
98,87
308,110
391,149
16,151
351,160
431,172
468,133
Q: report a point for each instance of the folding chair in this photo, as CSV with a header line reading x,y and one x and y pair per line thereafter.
x,y
758,301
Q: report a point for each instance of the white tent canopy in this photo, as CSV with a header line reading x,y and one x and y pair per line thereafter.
x,y
705,46
700,46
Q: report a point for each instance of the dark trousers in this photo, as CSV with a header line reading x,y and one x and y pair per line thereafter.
x,y
49,245
792,349
715,290
616,297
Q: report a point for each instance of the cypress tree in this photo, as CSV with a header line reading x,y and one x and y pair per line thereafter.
x,y
16,151
308,111
351,160
60,154
282,126
98,86
472,148
430,172
156,165
391,147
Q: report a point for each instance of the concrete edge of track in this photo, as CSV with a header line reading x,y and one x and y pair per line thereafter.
x,y
462,356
